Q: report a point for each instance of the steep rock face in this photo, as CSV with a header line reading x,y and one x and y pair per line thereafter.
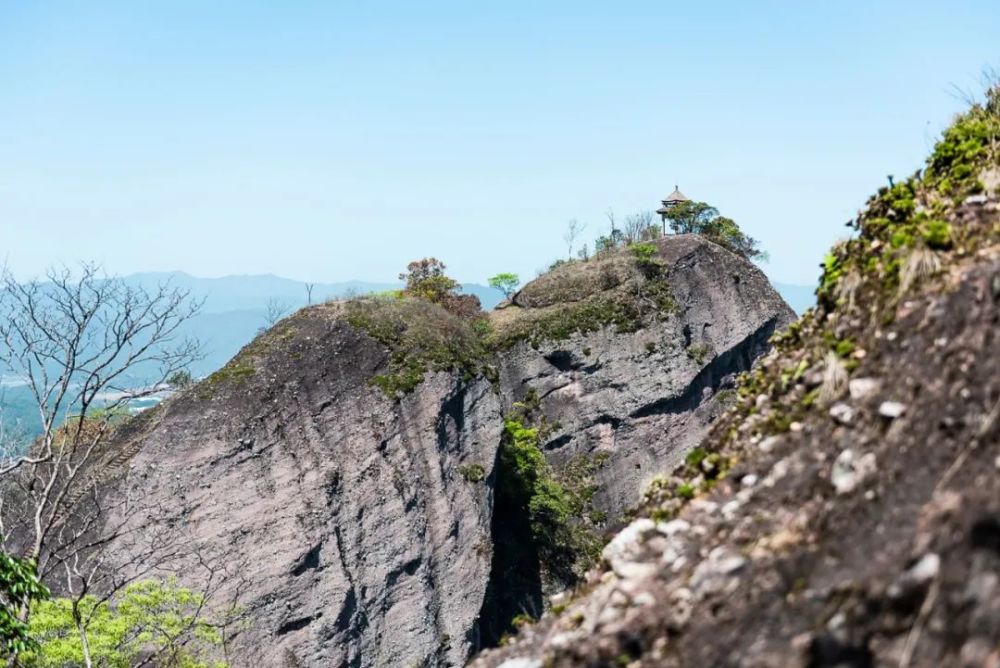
x,y
858,520
358,528
355,537
644,397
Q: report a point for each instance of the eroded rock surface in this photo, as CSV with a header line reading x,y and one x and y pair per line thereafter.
x,y
646,397
360,525
359,542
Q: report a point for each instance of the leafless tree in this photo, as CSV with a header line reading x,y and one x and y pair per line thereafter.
x,y
610,215
637,226
573,231
309,293
276,309
84,345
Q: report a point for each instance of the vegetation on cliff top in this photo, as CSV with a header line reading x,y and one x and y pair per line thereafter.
x,y
624,289
704,219
909,232
428,326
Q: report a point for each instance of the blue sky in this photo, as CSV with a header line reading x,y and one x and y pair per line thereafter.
x,y
332,140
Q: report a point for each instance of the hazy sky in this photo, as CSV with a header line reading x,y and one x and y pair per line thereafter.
x,y
334,140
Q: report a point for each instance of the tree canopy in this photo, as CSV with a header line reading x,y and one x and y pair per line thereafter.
x,y
425,279
146,619
704,219
505,283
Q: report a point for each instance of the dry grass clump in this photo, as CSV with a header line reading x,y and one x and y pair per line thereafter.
x,y
920,264
835,377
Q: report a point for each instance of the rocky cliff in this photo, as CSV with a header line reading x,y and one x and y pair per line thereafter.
x,y
643,397
347,460
846,511
358,541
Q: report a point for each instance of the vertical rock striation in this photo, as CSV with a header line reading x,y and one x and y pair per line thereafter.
x,y
358,541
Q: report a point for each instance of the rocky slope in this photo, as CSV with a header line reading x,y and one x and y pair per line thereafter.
x,y
344,466
846,512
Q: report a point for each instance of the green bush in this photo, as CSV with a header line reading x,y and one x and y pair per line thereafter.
x,y
698,352
557,505
180,379
144,619
644,252
472,472
702,218
937,234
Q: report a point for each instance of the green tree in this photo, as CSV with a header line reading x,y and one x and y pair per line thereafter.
x,y
146,619
691,217
506,283
19,588
426,279
704,219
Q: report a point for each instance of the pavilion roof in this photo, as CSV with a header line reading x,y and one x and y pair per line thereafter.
x,y
675,196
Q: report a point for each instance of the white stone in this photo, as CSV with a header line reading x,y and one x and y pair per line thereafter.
x,y
842,413
634,570
926,569
704,506
643,599
673,527
862,388
624,548
564,639
718,572
777,472
769,443
749,480
850,471
891,409
731,509
521,662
